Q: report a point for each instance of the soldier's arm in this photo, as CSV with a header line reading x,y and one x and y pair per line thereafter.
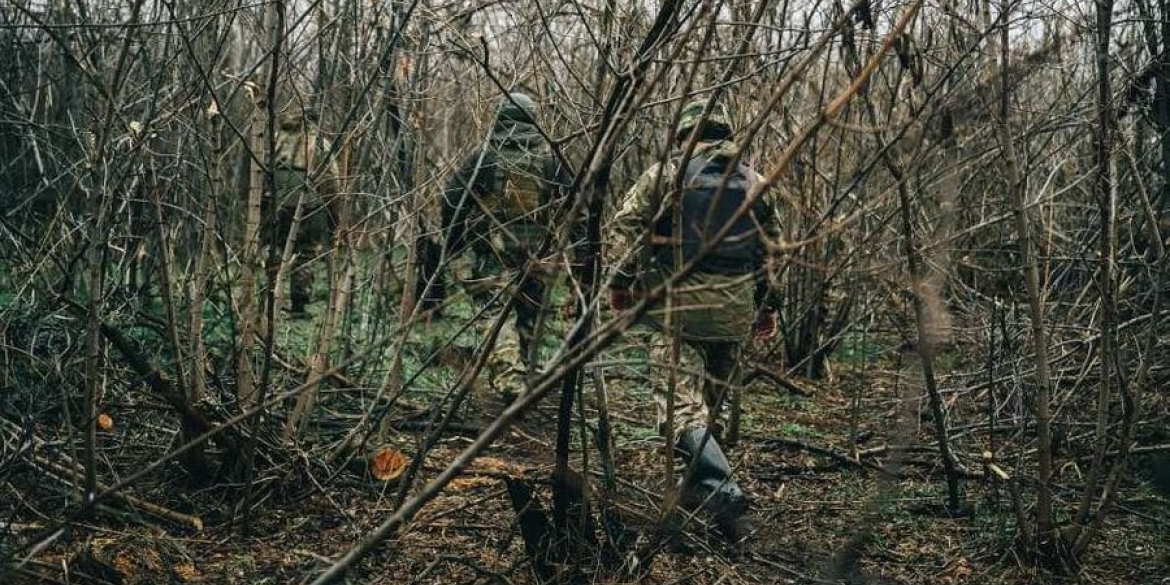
x,y
560,183
455,202
458,201
627,230
773,220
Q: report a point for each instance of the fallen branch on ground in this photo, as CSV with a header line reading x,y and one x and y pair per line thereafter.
x,y
66,474
758,370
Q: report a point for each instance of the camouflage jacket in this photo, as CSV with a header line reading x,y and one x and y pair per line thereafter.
x,y
706,306
503,195
629,233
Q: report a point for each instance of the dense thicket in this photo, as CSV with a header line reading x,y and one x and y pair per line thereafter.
x,y
987,204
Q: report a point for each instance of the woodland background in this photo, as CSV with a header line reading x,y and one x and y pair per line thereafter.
x,y
968,385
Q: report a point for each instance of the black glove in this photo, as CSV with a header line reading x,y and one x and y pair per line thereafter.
x,y
620,299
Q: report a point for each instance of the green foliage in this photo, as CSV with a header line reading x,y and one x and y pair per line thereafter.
x,y
799,431
8,300
218,328
630,434
782,402
947,361
856,348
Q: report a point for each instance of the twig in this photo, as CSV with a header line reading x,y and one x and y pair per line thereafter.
x,y
828,452
758,370
800,577
68,476
1143,450
467,504
335,377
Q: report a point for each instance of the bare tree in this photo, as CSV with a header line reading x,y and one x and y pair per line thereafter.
x,y
946,173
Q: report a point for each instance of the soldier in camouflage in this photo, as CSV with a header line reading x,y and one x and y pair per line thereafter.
x,y
496,214
296,145
713,308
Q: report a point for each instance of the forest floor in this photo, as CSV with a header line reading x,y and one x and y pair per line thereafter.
x,y
820,516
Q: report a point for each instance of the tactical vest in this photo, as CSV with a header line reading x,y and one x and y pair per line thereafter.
x,y
517,188
709,202
518,185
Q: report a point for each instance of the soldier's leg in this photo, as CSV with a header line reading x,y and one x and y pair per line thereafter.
x,y
532,320
506,373
690,411
323,226
485,283
517,347
723,382
302,268
708,482
289,184
285,217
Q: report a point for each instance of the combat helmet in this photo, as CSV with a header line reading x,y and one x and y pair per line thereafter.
x,y
517,107
718,118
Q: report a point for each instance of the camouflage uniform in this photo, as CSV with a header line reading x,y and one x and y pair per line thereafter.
x,y
713,308
496,214
296,143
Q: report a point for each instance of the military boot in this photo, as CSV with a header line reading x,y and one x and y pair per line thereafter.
x,y
710,485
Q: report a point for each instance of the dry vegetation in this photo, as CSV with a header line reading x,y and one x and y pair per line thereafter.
x,y
968,385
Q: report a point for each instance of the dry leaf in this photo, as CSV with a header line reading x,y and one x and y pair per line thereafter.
x,y
186,572
955,571
462,484
404,69
387,464
496,465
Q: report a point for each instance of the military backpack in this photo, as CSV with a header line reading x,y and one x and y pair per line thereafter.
x,y
712,194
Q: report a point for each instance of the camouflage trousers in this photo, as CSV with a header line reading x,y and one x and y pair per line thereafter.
x,y
714,314
515,356
703,378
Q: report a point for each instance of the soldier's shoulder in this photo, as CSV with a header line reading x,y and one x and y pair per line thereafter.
x,y
660,168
